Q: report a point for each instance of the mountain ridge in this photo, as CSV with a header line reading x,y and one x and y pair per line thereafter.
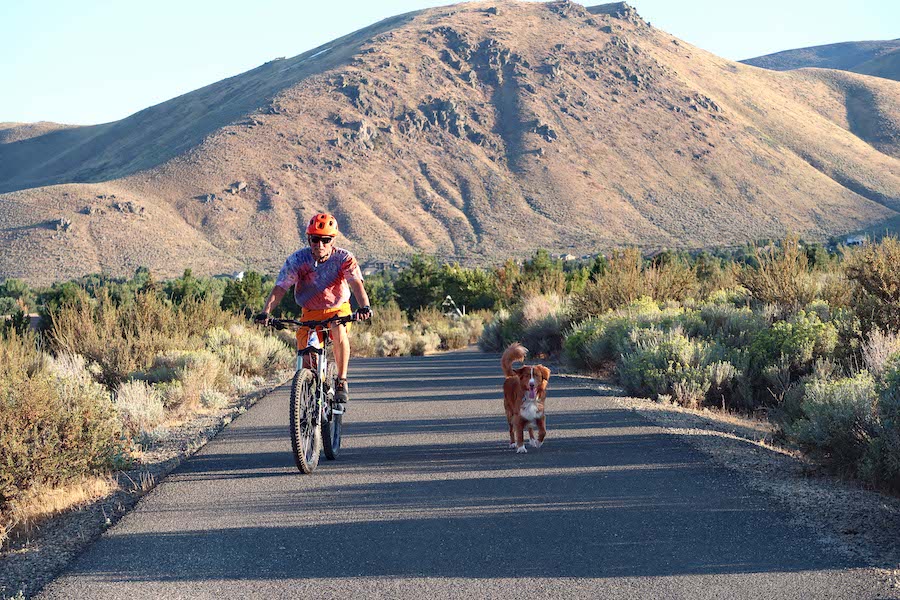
x,y
879,58
482,131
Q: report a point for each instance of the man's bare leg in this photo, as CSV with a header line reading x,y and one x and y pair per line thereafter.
x,y
341,349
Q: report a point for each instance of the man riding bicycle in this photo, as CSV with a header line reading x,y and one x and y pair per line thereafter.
x,y
323,277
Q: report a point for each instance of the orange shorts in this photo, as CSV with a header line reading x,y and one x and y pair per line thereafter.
x,y
320,315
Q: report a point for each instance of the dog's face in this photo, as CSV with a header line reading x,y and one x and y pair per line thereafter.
x,y
533,389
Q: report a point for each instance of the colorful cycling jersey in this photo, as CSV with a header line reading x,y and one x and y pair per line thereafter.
x,y
323,285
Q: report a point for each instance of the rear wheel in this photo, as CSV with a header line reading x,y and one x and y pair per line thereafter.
x,y
331,425
306,438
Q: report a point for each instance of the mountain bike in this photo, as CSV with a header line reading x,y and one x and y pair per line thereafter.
x,y
315,418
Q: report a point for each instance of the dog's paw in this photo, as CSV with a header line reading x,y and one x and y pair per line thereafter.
x,y
535,443
512,444
521,449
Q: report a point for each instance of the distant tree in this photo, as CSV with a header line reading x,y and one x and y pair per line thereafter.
x,y
473,288
380,288
186,286
540,264
245,295
18,291
419,285
506,280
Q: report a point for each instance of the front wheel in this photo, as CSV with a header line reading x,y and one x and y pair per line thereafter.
x,y
331,424
306,438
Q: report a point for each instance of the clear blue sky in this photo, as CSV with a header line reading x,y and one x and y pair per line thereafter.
x,y
93,61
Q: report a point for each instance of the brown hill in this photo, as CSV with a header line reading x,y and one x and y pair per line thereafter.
x,y
878,58
475,132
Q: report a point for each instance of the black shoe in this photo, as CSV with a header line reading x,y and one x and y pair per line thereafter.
x,y
341,391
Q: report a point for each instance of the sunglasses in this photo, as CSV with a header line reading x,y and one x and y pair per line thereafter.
x,y
316,239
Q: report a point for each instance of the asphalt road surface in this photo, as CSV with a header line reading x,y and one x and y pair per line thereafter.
x,y
427,501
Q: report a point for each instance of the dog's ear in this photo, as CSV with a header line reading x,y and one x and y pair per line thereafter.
x,y
545,372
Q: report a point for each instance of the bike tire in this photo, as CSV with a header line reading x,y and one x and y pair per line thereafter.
x,y
331,424
306,436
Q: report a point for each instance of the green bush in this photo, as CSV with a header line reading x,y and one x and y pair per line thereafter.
x,y
838,420
782,276
881,465
504,329
796,341
875,268
669,363
53,429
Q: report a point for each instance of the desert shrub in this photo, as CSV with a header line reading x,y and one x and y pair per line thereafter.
x,y
504,329
730,326
878,349
473,324
171,393
782,277
837,289
124,339
386,318
454,338
620,284
194,370
712,275
392,343
881,464
796,342
668,362
53,429
362,343
247,351
422,343
598,341
213,399
543,320
625,278
671,280
454,331
140,406
538,307
577,339
838,420
875,268
545,336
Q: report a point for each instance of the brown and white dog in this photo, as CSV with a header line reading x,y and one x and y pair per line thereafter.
x,y
524,393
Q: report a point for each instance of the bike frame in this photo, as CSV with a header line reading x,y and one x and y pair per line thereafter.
x,y
315,347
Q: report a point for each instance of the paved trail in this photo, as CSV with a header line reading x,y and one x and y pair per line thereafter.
x,y
427,499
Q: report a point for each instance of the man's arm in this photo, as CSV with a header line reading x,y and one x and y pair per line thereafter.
x,y
273,300
362,298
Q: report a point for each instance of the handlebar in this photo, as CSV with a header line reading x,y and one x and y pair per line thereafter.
x,y
283,323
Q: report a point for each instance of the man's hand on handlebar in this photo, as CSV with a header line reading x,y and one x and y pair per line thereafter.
x,y
364,313
261,319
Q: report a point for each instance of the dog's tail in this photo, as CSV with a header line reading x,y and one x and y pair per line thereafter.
x,y
516,351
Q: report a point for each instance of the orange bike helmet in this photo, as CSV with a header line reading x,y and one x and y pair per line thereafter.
x,y
322,224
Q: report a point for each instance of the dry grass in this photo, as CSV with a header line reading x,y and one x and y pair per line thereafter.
x,y
42,502
783,278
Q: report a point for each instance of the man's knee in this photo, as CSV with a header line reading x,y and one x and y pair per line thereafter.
x,y
339,333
